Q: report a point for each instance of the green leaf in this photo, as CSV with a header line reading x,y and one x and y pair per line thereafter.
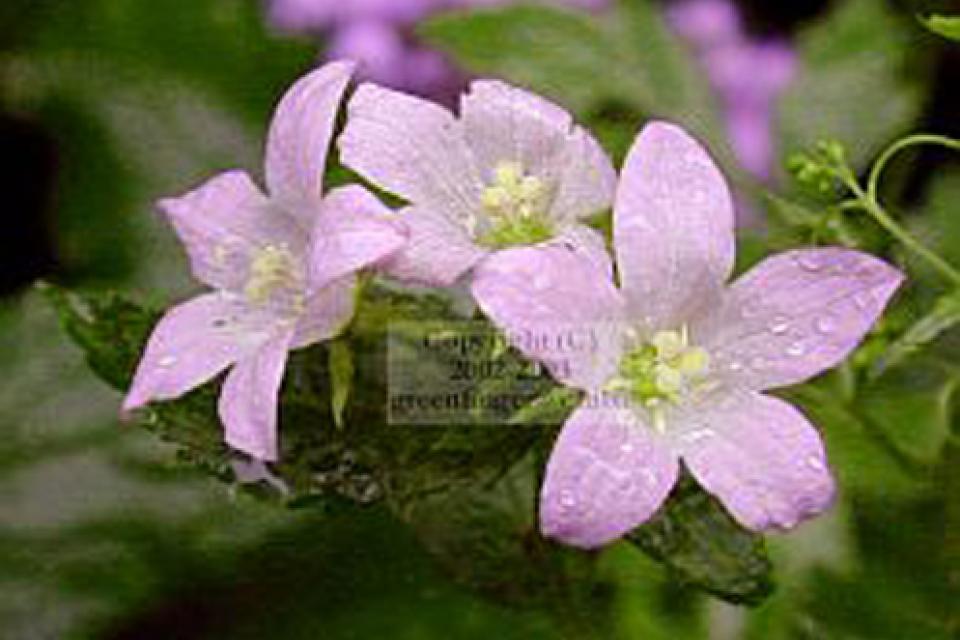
x,y
944,316
341,377
702,545
946,26
628,56
851,85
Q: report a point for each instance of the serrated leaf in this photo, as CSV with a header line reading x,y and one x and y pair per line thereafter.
x,y
341,378
702,545
944,316
946,26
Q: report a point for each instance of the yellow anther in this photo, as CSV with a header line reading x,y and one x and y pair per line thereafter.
x,y
513,194
693,361
273,269
508,174
669,344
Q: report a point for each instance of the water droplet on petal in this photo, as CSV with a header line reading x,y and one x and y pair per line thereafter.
x,y
779,325
815,463
796,349
167,361
567,500
809,261
627,447
735,366
825,324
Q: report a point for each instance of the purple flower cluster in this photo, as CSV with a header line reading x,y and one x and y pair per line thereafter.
x,y
748,74
378,34
497,197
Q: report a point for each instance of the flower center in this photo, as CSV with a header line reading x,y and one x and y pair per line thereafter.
x,y
662,370
275,278
516,204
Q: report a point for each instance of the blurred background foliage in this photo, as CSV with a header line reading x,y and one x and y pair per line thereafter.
x,y
104,532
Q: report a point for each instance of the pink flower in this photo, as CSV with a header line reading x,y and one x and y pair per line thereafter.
x,y
282,267
512,169
682,360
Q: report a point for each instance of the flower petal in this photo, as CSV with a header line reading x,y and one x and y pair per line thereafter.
x,y
412,148
191,344
503,123
672,226
354,230
222,222
300,136
608,473
327,312
760,457
590,243
557,307
437,251
795,315
249,398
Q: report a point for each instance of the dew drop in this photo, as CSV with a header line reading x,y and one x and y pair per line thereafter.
x,y
167,361
779,325
796,349
815,463
627,447
736,365
809,262
567,500
825,324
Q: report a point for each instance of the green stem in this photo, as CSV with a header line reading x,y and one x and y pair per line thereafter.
x,y
872,206
873,180
877,212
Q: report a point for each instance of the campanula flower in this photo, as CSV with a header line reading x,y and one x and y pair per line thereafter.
x,y
512,169
689,358
282,268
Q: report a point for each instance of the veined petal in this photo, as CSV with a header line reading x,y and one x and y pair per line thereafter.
x,y
354,230
503,123
327,312
590,243
412,148
437,251
608,473
300,136
795,315
557,307
223,222
192,343
759,456
672,226
249,398
587,181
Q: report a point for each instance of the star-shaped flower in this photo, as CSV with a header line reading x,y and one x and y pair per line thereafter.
x,y
682,360
282,268
511,170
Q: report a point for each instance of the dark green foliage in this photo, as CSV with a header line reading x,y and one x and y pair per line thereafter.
x,y
702,545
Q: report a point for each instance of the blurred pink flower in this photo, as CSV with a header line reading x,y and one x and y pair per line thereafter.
x,y
682,359
748,75
282,268
378,35
511,169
